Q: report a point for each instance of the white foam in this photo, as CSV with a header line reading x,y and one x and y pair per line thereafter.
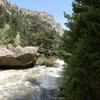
x,y
14,83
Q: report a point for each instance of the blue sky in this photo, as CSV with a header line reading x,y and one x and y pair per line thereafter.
x,y
53,7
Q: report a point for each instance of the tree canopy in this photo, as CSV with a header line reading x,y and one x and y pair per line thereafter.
x,y
81,76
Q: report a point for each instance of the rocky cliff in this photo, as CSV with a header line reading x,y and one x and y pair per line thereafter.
x,y
46,17
1,2
42,15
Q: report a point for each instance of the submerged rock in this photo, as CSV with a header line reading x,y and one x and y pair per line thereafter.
x,y
18,57
46,63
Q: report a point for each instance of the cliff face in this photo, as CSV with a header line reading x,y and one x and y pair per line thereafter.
x,y
1,2
46,17
42,15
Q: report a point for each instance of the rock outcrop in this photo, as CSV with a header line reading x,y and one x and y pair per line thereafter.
x,y
18,57
1,2
46,17
42,15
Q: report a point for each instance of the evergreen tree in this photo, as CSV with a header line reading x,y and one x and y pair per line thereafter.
x,y
4,16
36,26
32,30
46,41
82,74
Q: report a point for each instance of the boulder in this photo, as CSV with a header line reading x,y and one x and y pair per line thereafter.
x,y
18,57
46,63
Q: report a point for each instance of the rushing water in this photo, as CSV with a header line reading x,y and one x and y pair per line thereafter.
x,y
39,83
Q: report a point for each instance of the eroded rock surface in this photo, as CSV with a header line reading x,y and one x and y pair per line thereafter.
x,y
18,57
46,17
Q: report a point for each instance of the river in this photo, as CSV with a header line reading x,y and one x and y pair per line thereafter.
x,y
38,83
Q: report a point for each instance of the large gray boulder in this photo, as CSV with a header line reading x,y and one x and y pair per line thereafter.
x,y
18,57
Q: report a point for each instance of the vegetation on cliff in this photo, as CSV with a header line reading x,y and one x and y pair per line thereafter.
x,y
19,28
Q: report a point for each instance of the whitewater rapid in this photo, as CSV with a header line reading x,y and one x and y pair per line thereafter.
x,y
39,83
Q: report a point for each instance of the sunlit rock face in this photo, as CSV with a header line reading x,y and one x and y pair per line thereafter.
x,y
18,57
1,2
42,15
40,83
46,17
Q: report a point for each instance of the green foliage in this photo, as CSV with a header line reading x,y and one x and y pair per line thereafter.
x,y
36,25
50,61
5,33
81,75
66,45
41,59
4,16
46,41
32,30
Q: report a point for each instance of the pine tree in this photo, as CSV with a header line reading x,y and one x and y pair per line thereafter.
x,y
47,40
36,26
4,16
82,75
